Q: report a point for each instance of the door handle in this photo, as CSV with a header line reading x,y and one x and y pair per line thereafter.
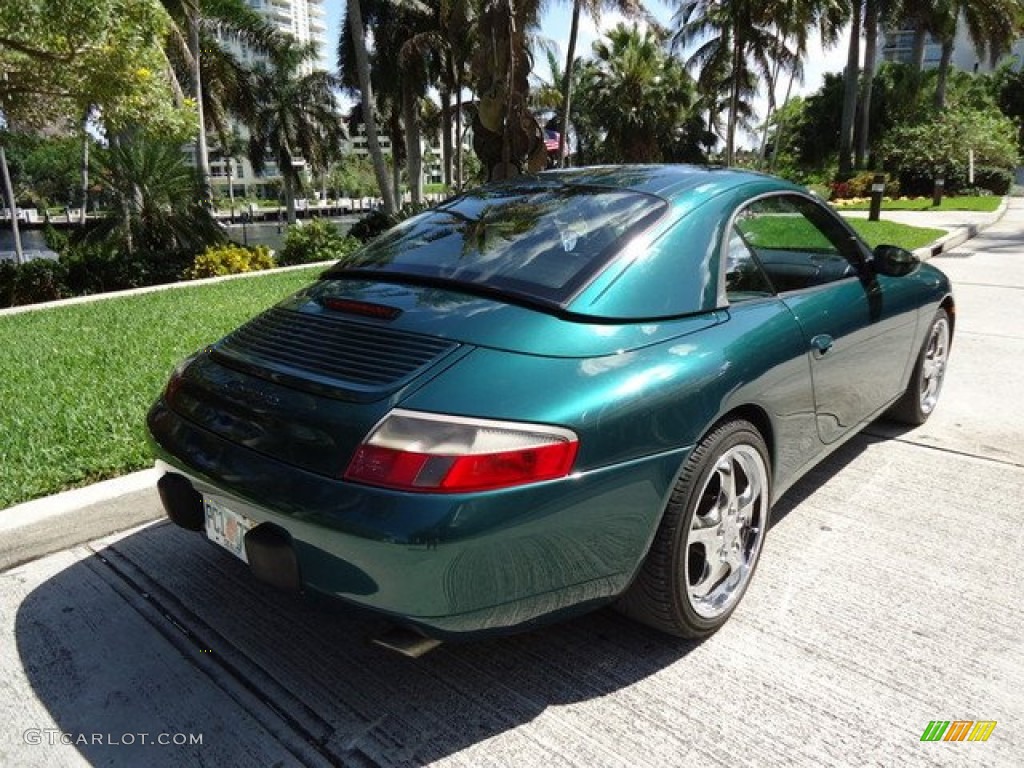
x,y
821,344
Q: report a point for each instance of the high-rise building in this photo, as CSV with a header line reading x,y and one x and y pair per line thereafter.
x,y
899,46
303,20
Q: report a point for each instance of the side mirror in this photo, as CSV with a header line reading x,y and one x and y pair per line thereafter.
x,y
893,261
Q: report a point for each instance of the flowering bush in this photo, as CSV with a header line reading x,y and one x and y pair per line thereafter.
x,y
229,260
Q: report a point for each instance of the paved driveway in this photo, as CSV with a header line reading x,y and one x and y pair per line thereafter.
x,y
889,595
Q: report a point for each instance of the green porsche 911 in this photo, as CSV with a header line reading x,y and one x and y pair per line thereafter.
x,y
549,394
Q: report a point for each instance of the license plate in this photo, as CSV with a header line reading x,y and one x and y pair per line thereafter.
x,y
226,528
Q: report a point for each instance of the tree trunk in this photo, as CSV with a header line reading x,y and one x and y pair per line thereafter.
x,y
446,136
768,115
413,149
870,45
458,134
917,52
395,129
943,78
19,255
734,100
850,94
85,171
202,151
570,58
782,122
380,169
231,186
289,198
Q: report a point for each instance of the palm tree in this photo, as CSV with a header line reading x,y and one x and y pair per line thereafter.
x,y
852,77
196,31
992,25
593,9
794,20
639,94
736,43
295,118
874,12
154,192
352,47
506,135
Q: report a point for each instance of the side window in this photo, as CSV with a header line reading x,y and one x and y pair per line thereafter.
x,y
798,244
744,278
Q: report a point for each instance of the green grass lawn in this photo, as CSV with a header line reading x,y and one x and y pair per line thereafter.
x,y
891,233
76,381
983,204
796,232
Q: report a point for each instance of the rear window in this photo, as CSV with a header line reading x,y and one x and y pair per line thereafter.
x,y
540,242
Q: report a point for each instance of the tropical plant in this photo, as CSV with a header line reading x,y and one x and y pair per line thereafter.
x,y
641,98
736,45
592,8
153,193
506,136
315,241
295,119
230,259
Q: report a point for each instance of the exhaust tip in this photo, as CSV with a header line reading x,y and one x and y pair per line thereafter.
x,y
182,502
405,641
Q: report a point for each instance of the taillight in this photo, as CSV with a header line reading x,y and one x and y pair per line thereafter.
x,y
429,452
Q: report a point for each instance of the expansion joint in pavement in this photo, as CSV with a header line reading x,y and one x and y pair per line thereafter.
x,y
944,449
297,728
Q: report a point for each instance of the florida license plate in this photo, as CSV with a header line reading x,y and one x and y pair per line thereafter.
x,y
226,528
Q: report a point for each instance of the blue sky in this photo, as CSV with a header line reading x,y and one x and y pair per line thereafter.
x,y
556,27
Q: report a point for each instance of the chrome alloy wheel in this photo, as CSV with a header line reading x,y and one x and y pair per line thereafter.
x,y
726,531
933,365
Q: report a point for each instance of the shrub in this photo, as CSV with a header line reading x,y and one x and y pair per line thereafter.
x,y
920,153
98,268
371,225
55,240
317,240
229,260
378,222
860,186
996,180
35,281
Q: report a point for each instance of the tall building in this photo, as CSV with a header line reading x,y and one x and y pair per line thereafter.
x,y
899,46
304,20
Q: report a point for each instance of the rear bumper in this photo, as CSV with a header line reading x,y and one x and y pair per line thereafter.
x,y
451,564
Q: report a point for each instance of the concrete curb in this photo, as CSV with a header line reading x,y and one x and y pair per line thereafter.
x,y
51,524
60,504
961,234
154,289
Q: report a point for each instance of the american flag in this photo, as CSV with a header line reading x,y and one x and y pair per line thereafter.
x,y
551,140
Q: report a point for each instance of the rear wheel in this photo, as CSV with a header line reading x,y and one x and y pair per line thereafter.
x,y
922,395
707,546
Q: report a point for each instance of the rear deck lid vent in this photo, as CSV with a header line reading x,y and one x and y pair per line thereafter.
x,y
331,349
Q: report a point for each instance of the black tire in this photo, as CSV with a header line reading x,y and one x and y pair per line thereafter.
x,y
664,594
918,402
